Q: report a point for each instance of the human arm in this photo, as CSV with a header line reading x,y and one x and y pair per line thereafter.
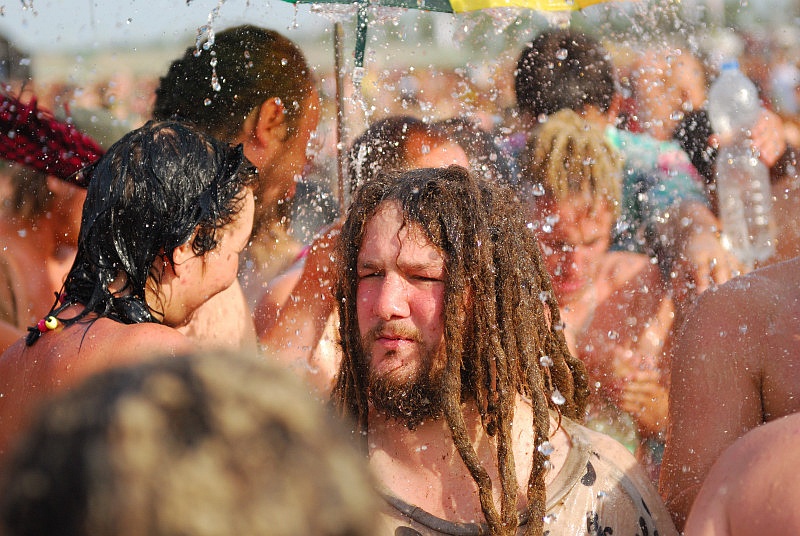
x,y
714,391
698,259
302,319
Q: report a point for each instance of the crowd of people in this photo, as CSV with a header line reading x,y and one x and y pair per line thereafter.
x,y
525,322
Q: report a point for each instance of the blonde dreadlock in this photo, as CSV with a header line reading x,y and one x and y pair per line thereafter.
x,y
568,156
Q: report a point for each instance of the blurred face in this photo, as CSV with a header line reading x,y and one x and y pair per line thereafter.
x,y
282,174
426,153
221,265
400,300
574,236
666,88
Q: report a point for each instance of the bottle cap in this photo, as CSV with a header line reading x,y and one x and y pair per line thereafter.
x,y
730,65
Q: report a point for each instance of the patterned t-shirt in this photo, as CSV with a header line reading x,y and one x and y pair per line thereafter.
x,y
600,490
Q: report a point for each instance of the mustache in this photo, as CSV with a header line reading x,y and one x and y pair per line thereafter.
x,y
392,329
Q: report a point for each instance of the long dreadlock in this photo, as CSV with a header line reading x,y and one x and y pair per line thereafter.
x,y
507,339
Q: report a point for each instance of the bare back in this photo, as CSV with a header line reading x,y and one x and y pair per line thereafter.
x,y
736,365
62,358
749,491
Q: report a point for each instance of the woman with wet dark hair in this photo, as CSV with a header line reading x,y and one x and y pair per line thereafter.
x,y
167,212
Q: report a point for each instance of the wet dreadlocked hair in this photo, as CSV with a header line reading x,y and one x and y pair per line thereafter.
x,y
565,156
507,339
158,187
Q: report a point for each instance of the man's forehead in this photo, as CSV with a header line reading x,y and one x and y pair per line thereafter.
x,y
388,223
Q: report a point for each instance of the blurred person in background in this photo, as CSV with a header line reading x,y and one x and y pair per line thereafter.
x,y
664,209
615,306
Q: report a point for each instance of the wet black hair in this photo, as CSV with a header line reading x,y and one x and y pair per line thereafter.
x,y
563,69
155,189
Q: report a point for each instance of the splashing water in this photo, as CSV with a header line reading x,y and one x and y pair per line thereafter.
x,y
205,39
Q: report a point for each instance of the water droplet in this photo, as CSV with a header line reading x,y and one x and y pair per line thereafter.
x,y
544,296
546,448
613,335
562,54
557,398
601,495
207,102
550,518
546,361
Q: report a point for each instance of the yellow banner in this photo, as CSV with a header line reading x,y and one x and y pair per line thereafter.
x,y
542,5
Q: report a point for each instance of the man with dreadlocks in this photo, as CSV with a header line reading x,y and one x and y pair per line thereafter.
x,y
457,375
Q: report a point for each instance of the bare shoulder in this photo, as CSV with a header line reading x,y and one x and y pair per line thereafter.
x,y
767,289
749,479
148,339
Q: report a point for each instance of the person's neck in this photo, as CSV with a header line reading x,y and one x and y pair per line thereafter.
x,y
423,467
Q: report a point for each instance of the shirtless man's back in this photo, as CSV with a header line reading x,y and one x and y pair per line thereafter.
x,y
736,366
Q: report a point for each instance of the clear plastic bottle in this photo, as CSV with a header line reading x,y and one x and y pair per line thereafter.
x,y
742,180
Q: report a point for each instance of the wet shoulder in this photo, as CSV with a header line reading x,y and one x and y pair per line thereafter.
x,y
759,296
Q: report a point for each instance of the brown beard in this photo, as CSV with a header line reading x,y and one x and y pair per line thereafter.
x,y
410,401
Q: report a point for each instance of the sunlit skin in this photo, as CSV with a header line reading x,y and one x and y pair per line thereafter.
x,y
749,491
400,295
601,292
65,356
734,368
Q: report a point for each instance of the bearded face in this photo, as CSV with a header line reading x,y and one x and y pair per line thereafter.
x,y
413,396
400,303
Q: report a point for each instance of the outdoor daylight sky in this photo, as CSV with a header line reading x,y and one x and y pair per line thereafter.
x,y
45,25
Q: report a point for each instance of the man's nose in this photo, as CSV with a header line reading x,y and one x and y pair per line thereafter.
x,y
392,300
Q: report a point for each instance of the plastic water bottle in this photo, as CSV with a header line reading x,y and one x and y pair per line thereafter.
x,y
742,180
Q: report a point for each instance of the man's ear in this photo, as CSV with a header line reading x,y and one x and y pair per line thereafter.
x,y
271,122
264,131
